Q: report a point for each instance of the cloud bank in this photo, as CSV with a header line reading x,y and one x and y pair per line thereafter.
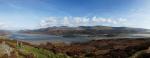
x,y
80,21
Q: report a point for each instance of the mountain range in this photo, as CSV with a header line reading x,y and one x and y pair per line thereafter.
x,y
87,30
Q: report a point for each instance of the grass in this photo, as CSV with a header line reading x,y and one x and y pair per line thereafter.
x,y
41,53
22,50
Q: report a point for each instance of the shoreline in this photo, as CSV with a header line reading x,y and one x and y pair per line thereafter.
x,y
38,42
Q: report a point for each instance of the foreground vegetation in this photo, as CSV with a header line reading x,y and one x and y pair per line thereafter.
x,y
105,48
17,49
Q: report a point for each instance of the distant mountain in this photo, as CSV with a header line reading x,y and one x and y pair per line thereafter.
x,y
87,30
4,32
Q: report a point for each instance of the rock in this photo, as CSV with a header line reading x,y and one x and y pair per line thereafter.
x,y
5,49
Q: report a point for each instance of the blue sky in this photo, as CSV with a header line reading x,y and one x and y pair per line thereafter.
x,y
31,14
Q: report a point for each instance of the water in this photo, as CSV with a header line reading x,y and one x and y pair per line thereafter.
x,y
48,38
52,38
141,35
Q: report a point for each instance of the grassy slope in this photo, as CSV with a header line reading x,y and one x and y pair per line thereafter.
x,y
24,50
41,53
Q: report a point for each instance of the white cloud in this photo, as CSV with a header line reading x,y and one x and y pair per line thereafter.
x,y
50,21
4,26
122,19
79,21
66,21
95,19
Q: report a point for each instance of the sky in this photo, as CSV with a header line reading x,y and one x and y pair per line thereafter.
x,y
33,14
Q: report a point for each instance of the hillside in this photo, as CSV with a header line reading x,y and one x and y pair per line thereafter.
x,y
4,32
104,48
18,49
86,30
